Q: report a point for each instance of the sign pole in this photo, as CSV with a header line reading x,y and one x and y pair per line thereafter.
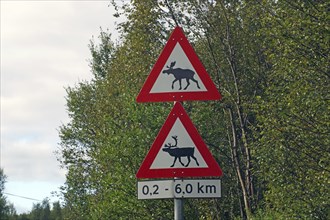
x,y
179,59
178,207
178,204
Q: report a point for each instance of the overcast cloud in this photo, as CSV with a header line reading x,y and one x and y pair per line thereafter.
x,y
44,49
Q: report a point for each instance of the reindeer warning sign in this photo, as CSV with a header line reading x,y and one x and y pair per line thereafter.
x,y
178,151
178,75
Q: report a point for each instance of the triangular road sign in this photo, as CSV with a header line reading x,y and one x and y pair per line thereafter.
x,y
178,151
178,75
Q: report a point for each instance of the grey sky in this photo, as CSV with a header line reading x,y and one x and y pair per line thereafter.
x,y
44,48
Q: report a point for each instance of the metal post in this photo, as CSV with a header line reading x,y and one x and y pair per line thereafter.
x,y
178,209
178,204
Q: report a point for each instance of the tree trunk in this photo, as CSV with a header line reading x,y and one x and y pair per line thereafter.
x,y
237,165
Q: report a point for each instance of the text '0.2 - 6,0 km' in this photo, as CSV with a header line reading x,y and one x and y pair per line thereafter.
x,y
179,188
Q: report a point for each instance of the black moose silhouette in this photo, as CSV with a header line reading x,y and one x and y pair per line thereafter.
x,y
180,74
177,152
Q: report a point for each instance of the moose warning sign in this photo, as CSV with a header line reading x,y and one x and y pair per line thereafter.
x,y
178,151
178,75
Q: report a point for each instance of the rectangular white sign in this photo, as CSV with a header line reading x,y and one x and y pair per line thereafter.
x,y
179,188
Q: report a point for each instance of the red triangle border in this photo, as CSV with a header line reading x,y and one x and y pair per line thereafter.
x,y
212,92
213,169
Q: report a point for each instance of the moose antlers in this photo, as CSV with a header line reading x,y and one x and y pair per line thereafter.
x,y
172,64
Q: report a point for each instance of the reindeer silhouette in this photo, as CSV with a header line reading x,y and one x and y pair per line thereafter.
x,y
180,74
177,152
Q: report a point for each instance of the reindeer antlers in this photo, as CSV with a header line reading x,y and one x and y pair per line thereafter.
x,y
169,145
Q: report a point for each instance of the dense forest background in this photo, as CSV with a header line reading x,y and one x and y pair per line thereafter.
x,y
269,133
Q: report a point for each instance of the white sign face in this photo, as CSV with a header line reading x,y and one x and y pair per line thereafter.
x,y
178,139
179,188
178,69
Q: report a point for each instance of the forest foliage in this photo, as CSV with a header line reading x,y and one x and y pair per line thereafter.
x,y
269,133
